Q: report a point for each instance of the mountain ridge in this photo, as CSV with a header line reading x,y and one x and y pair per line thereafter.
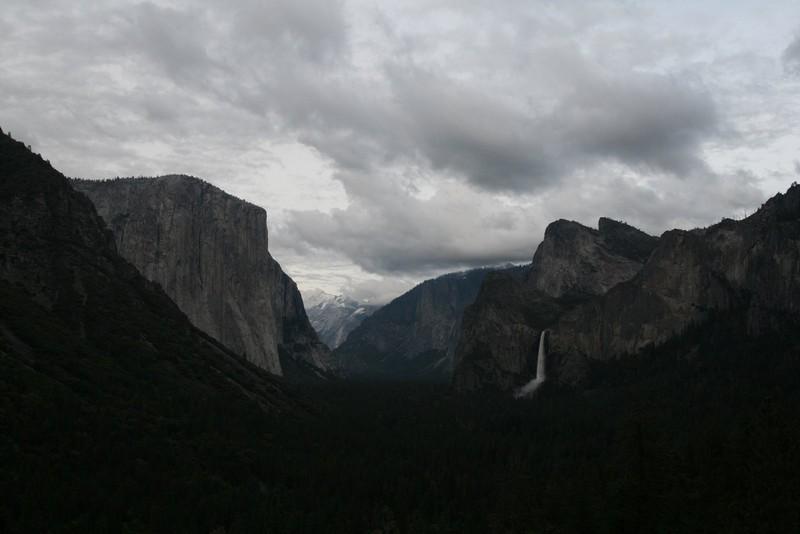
x,y
616,291
499,339
752,264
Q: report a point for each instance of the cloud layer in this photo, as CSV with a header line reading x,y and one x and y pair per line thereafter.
x,y
391,142
791,56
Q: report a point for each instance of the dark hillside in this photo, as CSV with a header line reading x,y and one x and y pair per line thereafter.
x,y
700,436
108,393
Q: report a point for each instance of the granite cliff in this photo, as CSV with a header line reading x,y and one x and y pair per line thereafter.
x,y
82,329
615,292
750,267
414,336
209,251
573,263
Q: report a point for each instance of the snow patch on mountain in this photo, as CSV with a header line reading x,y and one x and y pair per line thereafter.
x,y
334,316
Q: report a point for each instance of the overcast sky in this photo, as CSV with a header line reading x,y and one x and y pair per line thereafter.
x,y
393,141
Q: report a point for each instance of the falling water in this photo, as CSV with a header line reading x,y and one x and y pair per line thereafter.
x,y
541,359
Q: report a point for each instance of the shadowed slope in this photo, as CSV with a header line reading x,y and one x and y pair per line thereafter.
x,y
101,371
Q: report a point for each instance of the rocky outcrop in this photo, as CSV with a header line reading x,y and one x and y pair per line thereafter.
x,y
208,250
79,324
414,336
617,292
500,331
752,265
573,263
334,316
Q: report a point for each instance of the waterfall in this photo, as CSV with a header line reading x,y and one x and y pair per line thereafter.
x,y
540,360
541,373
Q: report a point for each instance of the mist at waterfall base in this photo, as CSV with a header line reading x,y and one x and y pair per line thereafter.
x,y
541,374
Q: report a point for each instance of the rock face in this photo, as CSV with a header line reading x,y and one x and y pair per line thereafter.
x,y
624,292
414,336
573,263
751,265
80,324
334,316
208,250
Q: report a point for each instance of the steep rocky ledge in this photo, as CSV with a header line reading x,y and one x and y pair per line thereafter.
x,y
752,265
208,250
573,263
85,337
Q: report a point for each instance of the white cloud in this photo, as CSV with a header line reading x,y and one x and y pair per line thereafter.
x,y
394,141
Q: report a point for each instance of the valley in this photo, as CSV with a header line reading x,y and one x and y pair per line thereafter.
x,y
661,444
380,267
161,374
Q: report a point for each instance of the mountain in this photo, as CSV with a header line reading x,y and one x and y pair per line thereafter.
x,y
574,261
209,251
500,332
627,294
106,385
334,316
414,336
749,268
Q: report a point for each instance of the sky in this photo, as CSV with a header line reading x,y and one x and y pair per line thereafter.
x,y
394,141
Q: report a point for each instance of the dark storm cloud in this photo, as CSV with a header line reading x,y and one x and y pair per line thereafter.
x,y
392,232
471,134
791,56
287,62
173,39
649,121
644,122
145,71
429,120
639,120
454,131
316,29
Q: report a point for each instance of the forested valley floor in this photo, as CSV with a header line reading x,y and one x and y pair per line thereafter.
x,y
705,441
